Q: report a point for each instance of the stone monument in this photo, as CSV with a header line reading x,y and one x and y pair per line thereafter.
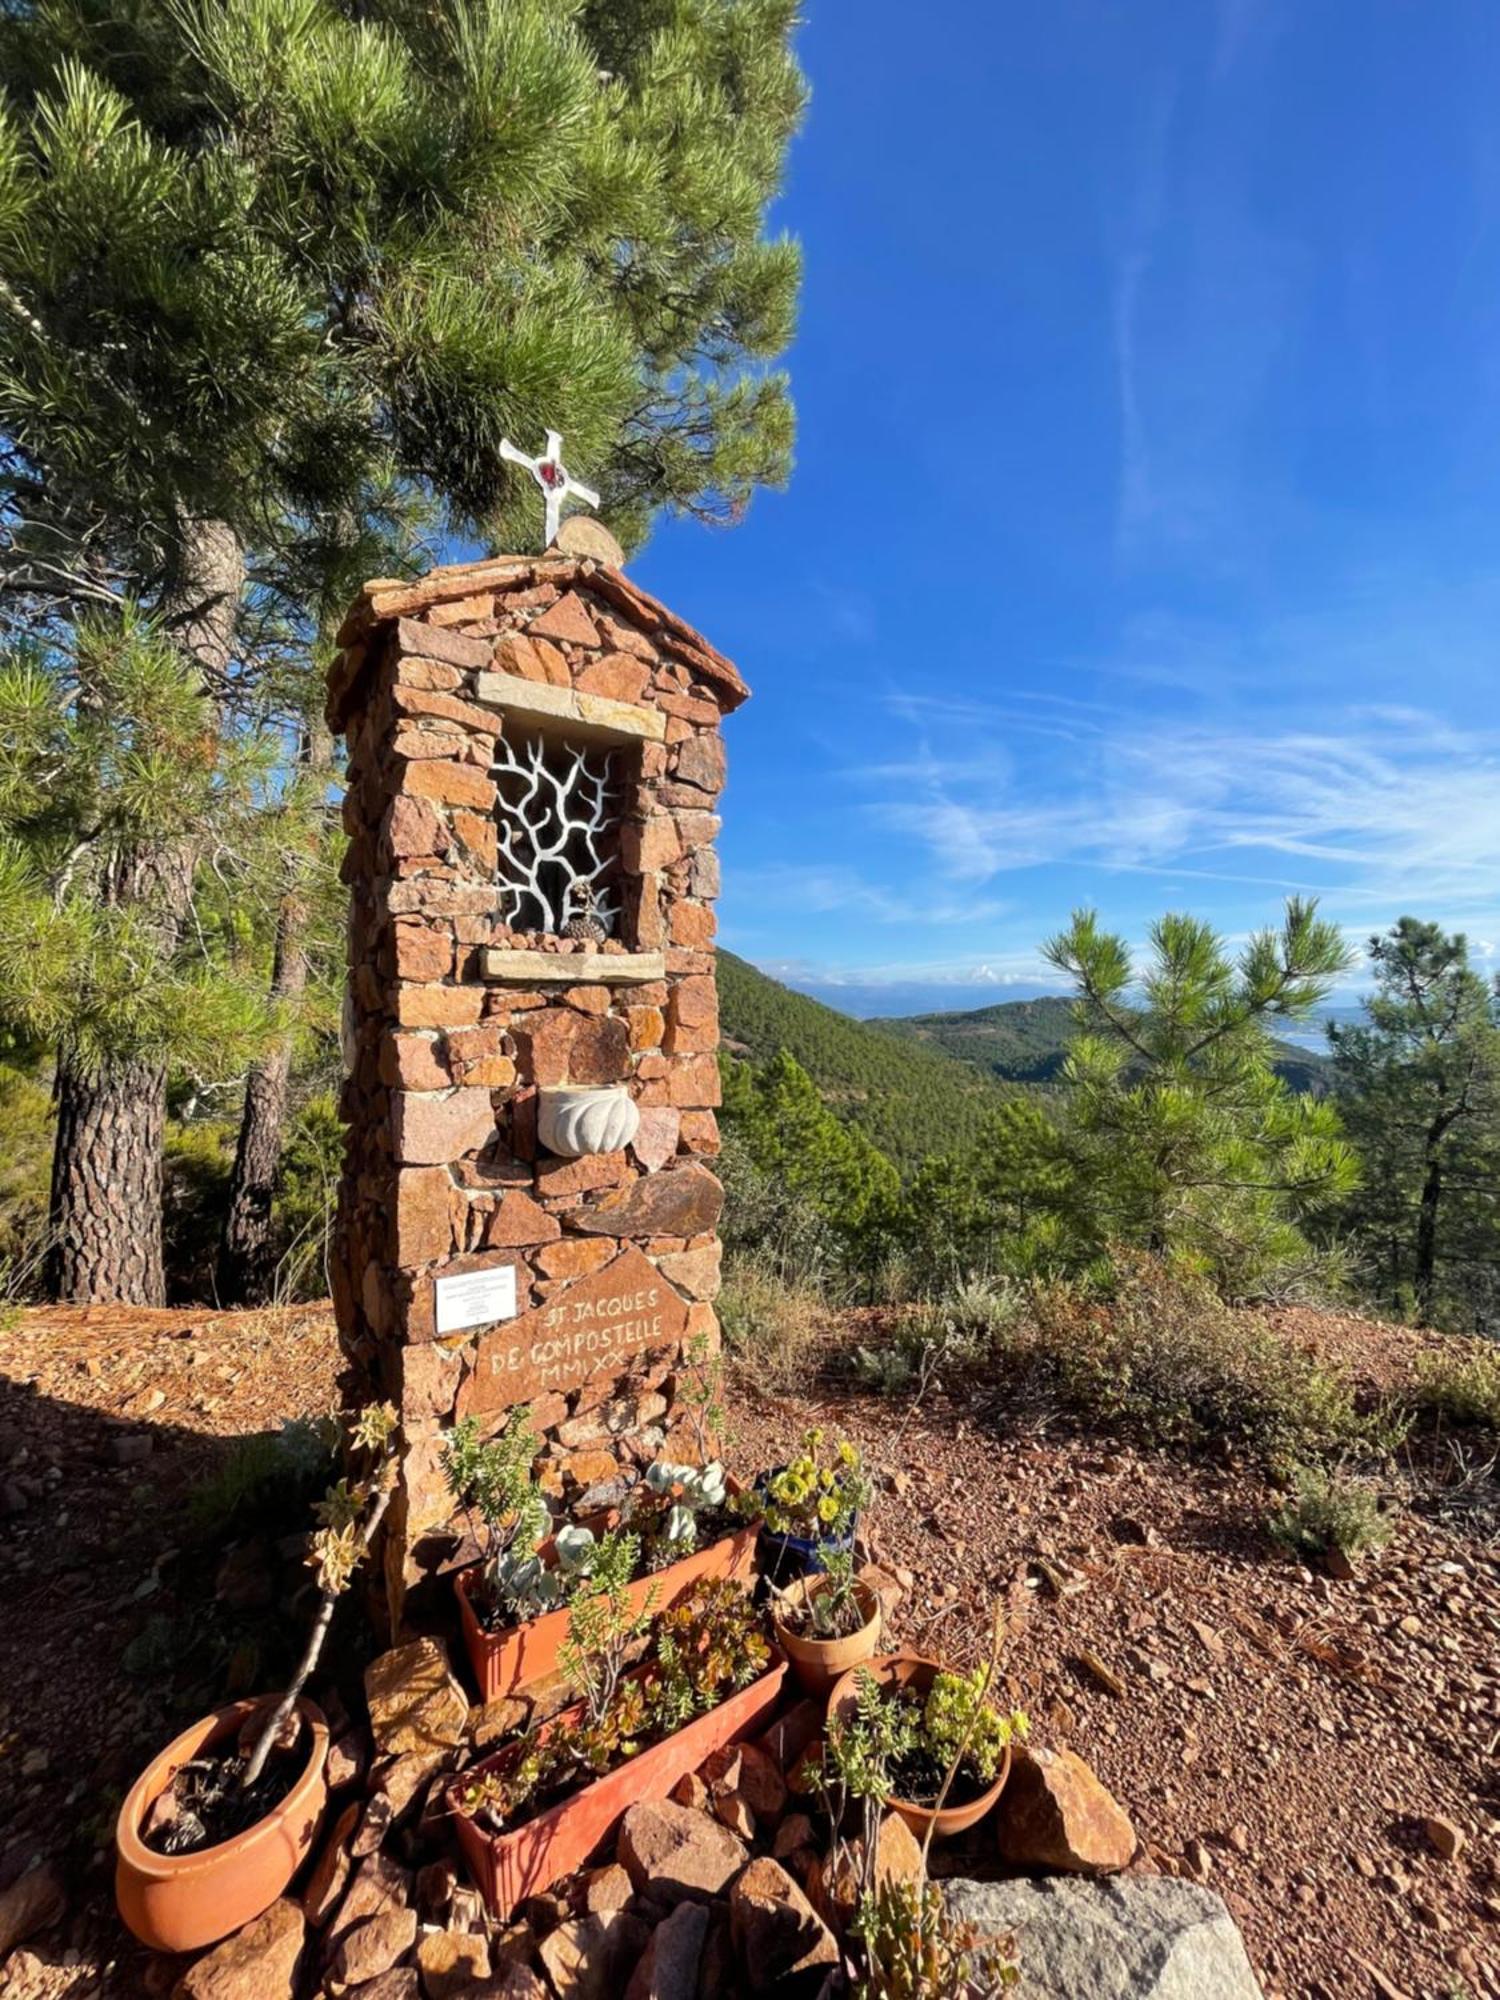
x,y
526,1213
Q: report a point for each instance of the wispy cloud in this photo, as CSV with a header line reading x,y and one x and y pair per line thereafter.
x,y
1381,805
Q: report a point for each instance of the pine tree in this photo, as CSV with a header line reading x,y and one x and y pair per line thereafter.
x,y
1418,1082
1181,1138
257,254
114,759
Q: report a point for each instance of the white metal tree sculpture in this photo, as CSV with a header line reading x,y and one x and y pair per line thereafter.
x,y
557,825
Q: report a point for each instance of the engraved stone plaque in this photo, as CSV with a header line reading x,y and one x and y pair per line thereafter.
x,y
596,1326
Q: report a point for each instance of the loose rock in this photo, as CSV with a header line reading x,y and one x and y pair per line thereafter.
x,y
1054,1813
1140,1938
678,1852
780,1939
257,1963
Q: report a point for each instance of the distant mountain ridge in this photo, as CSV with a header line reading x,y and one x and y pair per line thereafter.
x,y
910,1098
1025,1042
924,1083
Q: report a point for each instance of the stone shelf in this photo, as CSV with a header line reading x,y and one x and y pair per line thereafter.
x,y
571,968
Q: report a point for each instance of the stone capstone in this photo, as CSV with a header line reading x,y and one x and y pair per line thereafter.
x,y
414,1701
258,1962
1054,1813
678,1852
1144,1937
780,1939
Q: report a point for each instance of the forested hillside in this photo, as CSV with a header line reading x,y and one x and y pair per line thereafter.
x,y
911,1100
1024,1041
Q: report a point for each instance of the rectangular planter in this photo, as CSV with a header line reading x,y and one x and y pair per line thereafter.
x,y
508,1867
508,1662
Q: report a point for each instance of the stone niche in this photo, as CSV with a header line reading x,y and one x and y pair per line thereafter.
x,y
515,727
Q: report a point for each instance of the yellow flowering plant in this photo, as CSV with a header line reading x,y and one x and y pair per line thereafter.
x,y
819,1493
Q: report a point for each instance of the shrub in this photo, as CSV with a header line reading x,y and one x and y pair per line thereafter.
x,y
959,1331
771,1324
1162,1354
1464,1387
1330,1510
307,1179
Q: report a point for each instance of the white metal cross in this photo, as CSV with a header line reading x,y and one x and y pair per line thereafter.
x,y
554,478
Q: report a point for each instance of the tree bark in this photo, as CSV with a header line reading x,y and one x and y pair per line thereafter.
x,y
1427,1234
245,1273
105,1213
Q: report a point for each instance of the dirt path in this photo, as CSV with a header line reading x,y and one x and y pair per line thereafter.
x,y
1281,1736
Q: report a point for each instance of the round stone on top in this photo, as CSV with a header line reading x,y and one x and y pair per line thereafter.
x,y
581,536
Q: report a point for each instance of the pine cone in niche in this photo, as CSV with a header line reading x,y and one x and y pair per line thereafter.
x,y
584,924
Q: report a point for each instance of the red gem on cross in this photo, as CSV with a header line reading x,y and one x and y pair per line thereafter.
x,y
549,473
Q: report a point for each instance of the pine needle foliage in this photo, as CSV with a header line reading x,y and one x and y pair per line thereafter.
x,y
1180,1137
104,758
251,250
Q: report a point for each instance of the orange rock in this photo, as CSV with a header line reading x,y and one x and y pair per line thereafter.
x,y
1054,1813
568,620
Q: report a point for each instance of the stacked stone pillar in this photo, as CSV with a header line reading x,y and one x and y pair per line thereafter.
x,y
455,1020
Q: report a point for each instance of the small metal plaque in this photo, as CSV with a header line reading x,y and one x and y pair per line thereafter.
x,y
475,1298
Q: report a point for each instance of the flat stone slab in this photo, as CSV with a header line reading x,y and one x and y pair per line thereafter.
x,y
1133,1937
571,968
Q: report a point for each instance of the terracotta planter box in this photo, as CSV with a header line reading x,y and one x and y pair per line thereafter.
x,y
508,1662
181,1902
508,1867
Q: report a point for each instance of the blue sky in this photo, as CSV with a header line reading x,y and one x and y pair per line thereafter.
x,y
1142,546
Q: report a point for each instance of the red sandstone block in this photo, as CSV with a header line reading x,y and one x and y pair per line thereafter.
x,y
617,676
567,620
412,827
413,1062
431,1129
432,642
439,1006
694,1083
422,951
693,926
456,784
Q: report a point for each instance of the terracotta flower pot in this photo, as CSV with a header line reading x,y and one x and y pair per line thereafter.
x,y
903,1670
181,1902
819,1663
517,1657
508,1867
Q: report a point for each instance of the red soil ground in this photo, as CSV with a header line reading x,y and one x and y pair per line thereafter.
x,y
1280,1735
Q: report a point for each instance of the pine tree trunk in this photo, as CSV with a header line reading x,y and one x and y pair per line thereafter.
x,y
1427,1231
105,1213
244,1269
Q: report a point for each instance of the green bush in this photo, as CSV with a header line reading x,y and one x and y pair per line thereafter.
x,y
771,1326
1463,1388
1330,1510
307,1182
197,1160
1161,1354
25,1179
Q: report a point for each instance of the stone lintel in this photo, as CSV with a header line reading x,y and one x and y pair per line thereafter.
x,y
571,968
587,714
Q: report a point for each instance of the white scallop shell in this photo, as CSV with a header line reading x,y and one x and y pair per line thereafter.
x,y
572,1122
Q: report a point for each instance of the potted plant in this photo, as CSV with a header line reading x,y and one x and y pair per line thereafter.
x,y
511,1603
827,1622
944,1745
215,1827
544,1802
811,1504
